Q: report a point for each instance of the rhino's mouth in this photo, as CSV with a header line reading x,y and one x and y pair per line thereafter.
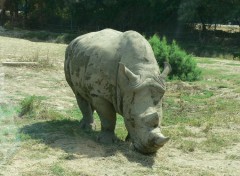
x,y
145,149
151,146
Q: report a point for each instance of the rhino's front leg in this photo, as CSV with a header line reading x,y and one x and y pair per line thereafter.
x,y
107,116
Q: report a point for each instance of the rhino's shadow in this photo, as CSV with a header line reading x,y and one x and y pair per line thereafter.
x,y
66,135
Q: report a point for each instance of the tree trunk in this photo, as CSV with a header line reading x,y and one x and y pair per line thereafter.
x,y
3,12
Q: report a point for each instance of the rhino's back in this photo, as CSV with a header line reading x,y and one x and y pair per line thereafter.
x,y
91,64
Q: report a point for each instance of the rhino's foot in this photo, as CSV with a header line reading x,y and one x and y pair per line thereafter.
x,y
86,125
107,138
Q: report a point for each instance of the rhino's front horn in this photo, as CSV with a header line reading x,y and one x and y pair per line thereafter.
x,y
133,79
167,69
161,140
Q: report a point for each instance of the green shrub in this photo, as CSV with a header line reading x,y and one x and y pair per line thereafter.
x,y
184,66
160,48
32,107
29,105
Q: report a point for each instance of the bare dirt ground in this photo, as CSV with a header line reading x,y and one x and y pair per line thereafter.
x,y
80,155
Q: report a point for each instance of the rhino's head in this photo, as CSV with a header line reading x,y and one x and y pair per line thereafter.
x,y
142,108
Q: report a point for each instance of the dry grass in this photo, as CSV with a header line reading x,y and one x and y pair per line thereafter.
x,y
202,119
46,54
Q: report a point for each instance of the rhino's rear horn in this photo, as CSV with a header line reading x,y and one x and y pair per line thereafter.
x,y
167,69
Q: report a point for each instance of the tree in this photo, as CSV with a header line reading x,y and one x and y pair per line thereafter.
x,y
141,15
208,11
12,6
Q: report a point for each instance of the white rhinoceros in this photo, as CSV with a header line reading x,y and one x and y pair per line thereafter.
x,y
114,72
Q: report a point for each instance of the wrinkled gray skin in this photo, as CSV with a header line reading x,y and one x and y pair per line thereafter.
x,y
114,72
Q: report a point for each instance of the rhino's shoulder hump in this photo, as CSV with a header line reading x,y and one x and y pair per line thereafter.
x,y
133,34
135,45
110,31
103,40
93,37
137,54
135,40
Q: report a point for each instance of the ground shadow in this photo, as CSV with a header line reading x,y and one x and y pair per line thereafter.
x,y
66,135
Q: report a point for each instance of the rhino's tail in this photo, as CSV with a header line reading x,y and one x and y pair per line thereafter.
x,y
67,67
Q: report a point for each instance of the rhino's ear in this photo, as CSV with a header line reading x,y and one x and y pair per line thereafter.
x,y
132,79
167,69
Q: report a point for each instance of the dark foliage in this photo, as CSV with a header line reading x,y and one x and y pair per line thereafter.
x,y
184,66
141,15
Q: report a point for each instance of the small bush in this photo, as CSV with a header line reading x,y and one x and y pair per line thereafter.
x,y
184,67
32,107
29,106
160,48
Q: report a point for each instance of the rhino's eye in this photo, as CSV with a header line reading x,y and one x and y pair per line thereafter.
x,y
155,102
156,97
152,120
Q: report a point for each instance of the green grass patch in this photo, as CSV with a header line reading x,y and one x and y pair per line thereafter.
x,y
237,90
74,113
8,132
187,146
214,82
188,141
235,78
32,107
233,64
177,120
225,112
205,94
67,156
205,60
23,136
216,76
6,111
215,143
38,154
121,130
58,170
212,73
178,132
233,157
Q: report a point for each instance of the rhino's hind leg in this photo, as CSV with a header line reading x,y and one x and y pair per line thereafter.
x,y
107,116
87,121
